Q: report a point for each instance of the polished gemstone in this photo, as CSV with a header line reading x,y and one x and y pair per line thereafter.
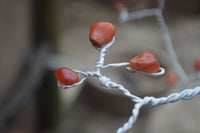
x,y
101,33
145,62
66,76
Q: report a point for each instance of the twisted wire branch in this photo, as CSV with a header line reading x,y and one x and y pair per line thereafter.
x,y
127,93
132,119
100,63
186,94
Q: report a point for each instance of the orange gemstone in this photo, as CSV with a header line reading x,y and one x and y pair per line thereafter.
x,y
171,78
101,33
197,64
117,6
145,62
66,76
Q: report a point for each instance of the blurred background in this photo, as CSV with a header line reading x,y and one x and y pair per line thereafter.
x,y
39,36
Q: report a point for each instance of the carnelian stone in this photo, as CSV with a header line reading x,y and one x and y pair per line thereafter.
x,y
101,33
197,64
171,78
117,6
145,62
66,76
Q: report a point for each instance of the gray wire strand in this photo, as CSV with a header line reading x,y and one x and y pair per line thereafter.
x,y
169,47
161,4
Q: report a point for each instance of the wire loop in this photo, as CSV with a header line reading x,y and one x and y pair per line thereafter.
x,y
160,72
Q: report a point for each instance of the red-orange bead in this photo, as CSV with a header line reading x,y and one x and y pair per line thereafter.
x,y
145,62
171,78
197,64
66,76
101,33
117,6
